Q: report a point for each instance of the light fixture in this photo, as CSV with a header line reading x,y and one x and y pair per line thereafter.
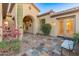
x,y
53,23
6,23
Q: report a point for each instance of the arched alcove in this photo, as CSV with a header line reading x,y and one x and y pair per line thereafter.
x,y
27,24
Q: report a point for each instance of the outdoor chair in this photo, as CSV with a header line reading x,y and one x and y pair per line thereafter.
x,y
67,45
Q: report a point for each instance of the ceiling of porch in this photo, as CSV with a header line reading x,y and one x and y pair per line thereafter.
x,y
7,7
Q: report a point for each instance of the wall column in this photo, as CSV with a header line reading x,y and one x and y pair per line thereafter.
x,y
77,23
16,15
0,22
20,19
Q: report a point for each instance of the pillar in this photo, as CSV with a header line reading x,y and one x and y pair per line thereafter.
x,y
20,19
16,15
0,22
77,23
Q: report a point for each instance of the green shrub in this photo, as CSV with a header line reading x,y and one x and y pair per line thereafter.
x,y
76,38
3,44
13,45
46,28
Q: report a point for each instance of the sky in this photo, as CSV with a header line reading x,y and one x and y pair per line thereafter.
x,y
45,7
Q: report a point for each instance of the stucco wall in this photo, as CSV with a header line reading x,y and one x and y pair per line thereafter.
x,y
54,31
19,19
33,14
29,10
76,20
0,22
21,10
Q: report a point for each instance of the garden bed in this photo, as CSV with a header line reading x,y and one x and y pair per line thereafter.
x,y
9,47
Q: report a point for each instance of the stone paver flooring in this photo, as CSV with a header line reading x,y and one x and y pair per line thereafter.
x,y
39,45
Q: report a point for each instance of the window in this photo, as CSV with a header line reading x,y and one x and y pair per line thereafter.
x,y
42,21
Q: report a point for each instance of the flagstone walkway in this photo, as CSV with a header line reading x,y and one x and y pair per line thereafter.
x,y
39,45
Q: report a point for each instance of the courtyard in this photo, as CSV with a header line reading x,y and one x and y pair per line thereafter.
x,y
25,32
39,45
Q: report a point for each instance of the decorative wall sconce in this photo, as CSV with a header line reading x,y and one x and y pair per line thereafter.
x,y
20,26
52,23
6,23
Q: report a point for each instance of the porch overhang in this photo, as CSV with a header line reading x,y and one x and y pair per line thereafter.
x,y
65,12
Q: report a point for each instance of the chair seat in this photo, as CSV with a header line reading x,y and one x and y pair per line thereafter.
x,y
67,44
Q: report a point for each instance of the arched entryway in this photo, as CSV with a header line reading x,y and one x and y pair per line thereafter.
x,y
27,24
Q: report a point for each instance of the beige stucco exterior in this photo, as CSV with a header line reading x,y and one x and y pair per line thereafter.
x,y
63,16
19,11
0,22
74,16
33,14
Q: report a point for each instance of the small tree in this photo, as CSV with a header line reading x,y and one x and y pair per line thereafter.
x,y
46,28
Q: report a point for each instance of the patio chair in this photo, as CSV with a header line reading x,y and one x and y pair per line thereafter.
x,y
67,45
